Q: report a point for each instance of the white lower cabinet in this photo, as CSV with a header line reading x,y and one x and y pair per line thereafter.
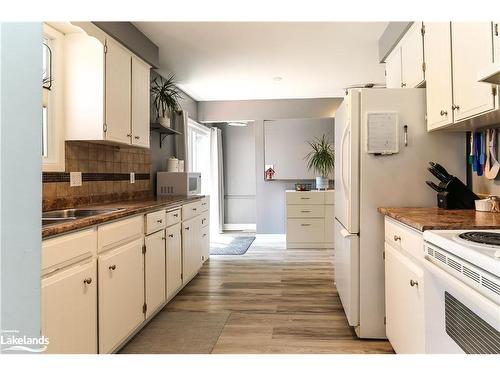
x,y
154,271
69,309
174,260
121,294
404,302
191,254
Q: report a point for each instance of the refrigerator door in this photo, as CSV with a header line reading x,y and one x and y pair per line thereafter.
x,y
347,162
347,271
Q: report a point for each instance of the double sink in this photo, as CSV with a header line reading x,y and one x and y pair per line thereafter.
x,y
59,216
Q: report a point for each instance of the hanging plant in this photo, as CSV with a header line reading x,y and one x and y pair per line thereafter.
x,y
165,98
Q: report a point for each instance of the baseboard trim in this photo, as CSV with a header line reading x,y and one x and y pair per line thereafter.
x,y
309,245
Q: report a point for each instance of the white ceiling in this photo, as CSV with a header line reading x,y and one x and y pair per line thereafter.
x,y
240,60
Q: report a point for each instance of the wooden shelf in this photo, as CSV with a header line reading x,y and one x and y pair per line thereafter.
x,y
163,131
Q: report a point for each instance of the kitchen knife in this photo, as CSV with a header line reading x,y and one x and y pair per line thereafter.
x,y
441,169
434,186
437,174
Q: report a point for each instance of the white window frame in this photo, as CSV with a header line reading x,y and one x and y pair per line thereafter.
x,y
194,127
54,161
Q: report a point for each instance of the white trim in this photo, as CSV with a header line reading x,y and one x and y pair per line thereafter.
x,y
55,161
239,227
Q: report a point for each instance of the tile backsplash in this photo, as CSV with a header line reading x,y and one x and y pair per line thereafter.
x,y
105,173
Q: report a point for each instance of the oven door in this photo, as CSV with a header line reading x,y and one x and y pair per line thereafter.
x,y
194,183
458,319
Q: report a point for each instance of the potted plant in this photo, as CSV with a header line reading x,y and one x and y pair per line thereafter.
x,y
321,159
165,98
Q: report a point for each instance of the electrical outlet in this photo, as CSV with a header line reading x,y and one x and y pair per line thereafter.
x,y
75,178
132,177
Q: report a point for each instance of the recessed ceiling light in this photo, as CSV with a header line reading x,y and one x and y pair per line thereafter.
x,y
277,78
237,123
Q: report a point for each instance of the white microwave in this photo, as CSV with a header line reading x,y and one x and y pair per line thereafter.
x,y
178,183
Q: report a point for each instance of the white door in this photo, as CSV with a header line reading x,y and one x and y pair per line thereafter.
x,y
347,271
174,259
412,57
140,102
121,294
154,271
393,69
118,91
69,310
404,303
471,51
347,162
439,97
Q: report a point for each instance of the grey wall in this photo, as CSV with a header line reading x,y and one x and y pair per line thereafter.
x,y
270,196
390,37
238,145
20,176
130,36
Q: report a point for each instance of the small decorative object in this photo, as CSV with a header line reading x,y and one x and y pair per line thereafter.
x,y
269,174
181,165
483,205
165,99
495,203
302,187
321,159
172,164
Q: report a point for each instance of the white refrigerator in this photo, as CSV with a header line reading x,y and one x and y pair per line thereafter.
x,y
365,181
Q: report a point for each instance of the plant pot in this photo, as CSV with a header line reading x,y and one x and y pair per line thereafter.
x,y
321,183
164,121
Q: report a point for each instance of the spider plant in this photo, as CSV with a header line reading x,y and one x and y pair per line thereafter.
x,y
165,96
321,159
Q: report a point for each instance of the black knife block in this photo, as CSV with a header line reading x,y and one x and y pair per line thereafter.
x,y
456,196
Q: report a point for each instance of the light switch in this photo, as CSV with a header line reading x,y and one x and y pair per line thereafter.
x,y
75,178
132,177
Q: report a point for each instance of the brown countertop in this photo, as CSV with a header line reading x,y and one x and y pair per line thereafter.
x,y
437,218
132,207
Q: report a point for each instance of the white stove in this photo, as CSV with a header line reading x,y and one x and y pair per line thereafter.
x,y
462,291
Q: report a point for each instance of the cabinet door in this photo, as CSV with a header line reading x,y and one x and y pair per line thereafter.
x,y
412,57
438,75
117,87
121,294
404,303
174,259
393,69
140,103
205,244
471,51
69,310
191,256
154,271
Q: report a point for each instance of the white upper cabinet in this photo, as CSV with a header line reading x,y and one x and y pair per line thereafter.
x,y
118,93
393,69
106,90
472,49
438,75
412,57
140,102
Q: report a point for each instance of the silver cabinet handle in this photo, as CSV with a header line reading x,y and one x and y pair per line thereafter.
x,y
113,267
187,228
164,238
171,235
137,137
305,212
457,107
176,215
194,209
204,234
397,238
305,225
87,281
159,221
129,135
403,84
444,113
305,198
413,283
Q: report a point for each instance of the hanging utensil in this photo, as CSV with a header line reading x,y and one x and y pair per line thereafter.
x,y
494,164
483,150
471,152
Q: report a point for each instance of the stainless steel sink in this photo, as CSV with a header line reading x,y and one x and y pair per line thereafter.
x,y
75,213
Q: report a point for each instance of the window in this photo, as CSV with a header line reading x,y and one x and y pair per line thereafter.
x,y
52,101
199,153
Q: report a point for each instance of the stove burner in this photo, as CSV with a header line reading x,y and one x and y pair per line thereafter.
x,y
486,238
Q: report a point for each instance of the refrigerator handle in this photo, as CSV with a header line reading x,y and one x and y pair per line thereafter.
x,y
344,135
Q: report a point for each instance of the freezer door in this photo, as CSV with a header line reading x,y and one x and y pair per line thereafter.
x,y
347,162
347,271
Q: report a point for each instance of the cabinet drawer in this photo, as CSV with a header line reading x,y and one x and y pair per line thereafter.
x,y
155,221
305,230
70,248
191,210
113,234
303,210
205,203
305,197
204,219
403,238
173,217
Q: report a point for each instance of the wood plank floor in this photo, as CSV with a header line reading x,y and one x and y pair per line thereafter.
x,y
276,300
